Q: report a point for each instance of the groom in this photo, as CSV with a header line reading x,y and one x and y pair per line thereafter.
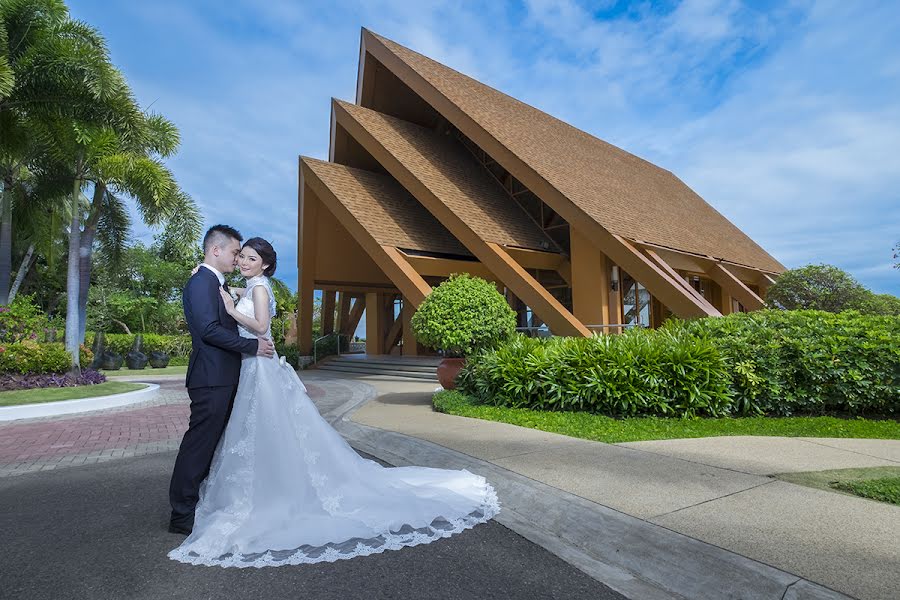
x,y
213,370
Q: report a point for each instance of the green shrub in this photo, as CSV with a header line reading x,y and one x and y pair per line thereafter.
x,y
290,353
641,372
463,315
21,320
176,346
810,362
31,357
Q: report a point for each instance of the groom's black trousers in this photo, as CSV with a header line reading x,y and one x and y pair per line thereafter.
x,y
210,409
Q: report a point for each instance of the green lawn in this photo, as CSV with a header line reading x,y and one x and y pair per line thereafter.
x,y
875,483
34,396
606,429
885,489
147,372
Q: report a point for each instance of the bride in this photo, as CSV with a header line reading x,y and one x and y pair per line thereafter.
x,y
285,488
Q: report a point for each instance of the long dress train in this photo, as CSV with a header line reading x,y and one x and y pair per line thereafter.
x,y
285,488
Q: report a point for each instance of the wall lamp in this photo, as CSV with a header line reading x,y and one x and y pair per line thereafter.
x,y
614,279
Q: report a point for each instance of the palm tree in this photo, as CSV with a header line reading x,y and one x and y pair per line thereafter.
x,y
50,67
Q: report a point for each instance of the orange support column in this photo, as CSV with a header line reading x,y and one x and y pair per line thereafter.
x,y
328,312
410,345
308,209
375,323
590,282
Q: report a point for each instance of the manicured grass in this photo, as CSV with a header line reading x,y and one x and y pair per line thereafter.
x,y
875,483
605,429
148,372
17,397
886,489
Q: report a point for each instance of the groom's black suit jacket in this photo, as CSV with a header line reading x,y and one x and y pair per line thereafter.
x,y
216,347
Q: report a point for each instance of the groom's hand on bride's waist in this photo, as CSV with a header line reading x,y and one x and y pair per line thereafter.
x,y
266,347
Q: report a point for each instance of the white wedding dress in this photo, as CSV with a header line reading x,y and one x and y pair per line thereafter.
x,y
285,488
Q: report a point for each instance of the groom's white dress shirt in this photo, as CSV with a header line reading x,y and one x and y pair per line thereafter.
x,y
216,271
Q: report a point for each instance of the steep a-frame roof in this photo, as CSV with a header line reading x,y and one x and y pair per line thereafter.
x,y
447,168
625,194
386,210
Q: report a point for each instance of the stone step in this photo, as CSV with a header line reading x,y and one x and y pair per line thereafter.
x,y
375,364
364,369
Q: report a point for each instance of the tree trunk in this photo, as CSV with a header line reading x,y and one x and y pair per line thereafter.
x,y
5,241
84,257
122,325
72,279
23,271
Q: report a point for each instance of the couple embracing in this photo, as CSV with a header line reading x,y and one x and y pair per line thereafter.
x,y
261,479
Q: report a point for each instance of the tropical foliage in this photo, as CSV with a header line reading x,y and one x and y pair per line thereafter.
x,y
765,362
75,148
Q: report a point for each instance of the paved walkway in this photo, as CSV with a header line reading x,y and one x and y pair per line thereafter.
x,y
689,502
98,531
716,490
52,443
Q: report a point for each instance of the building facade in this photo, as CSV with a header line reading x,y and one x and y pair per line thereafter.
x,y
431,172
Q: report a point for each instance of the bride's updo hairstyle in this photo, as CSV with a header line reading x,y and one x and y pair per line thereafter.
x,y
266,253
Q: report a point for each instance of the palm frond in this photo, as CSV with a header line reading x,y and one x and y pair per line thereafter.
x,y
113,227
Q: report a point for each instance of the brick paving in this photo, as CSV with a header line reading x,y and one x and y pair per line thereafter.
x,y
72,440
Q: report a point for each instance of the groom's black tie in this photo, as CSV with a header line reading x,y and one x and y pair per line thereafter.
x,y
225,287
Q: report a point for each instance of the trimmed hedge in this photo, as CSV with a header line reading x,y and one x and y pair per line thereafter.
x,y
463,315
809,362
641,372
176,346
765,362
30,357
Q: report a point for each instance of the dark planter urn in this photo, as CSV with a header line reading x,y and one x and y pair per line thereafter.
x,y
98,348
112,361
159,360
447,371
136,360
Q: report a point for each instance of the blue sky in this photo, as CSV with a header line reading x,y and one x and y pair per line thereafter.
x,y
785,116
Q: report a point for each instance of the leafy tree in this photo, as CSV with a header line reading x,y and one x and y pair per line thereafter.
x,y
140,294
828,288
48,67
816,287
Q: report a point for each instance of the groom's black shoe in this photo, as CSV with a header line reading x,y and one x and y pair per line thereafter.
x,y
183,527
179,529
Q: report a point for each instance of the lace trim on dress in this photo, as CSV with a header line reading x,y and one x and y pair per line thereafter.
x,y
389,540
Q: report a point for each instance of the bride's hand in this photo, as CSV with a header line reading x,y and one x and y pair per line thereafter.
x,y
195,269
227,300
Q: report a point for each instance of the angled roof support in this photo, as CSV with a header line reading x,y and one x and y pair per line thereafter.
x,y
389,259
733,286
491,254
698,297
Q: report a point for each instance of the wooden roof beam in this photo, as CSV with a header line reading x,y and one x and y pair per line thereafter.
x,y
389,259
490,254
734,287
712,310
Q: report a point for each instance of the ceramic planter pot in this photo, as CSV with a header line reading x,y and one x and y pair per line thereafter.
x,y
112,361
447,371
159,360
136,360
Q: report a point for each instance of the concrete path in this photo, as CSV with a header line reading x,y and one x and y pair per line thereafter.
x,y
713,490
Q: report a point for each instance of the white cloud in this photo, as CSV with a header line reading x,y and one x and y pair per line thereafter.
x,y
785,119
